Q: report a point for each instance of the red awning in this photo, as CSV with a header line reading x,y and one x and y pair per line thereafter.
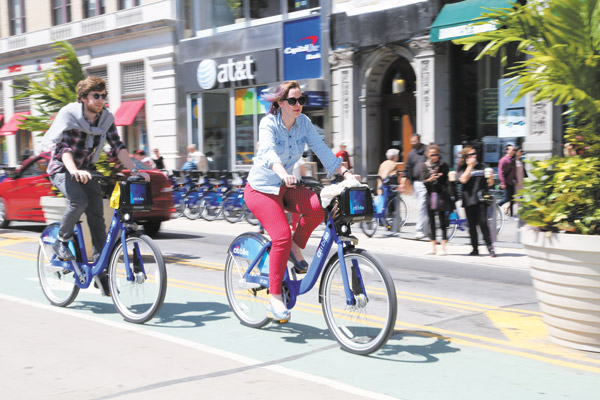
x,y
11,126
127,112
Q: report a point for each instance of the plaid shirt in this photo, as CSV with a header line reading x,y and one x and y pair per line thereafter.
x,y
73,141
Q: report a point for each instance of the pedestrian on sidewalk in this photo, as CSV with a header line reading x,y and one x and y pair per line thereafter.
x,y
521,172
388,168
507,170
471,174
434,175
344,155
415,158
158,160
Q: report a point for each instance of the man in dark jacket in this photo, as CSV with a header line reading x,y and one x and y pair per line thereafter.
x,y
415,158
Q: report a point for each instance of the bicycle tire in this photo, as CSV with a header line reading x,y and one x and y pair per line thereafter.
x,y
194,210
248,304
210,210
451,228
58,284
138,300
499,218
249,217
369,228
403,212
351,326
231,211
179,207
452,225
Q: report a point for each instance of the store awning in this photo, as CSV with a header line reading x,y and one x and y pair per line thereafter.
x,y
127,112
456,20
11,126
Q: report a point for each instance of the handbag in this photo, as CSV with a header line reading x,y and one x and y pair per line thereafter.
x,y
434,201
484,196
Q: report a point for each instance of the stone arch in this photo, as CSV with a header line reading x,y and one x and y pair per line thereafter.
x,y
372,75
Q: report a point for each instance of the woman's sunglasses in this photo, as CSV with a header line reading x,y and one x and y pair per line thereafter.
x,y
97,96
471,154
434,155
292,100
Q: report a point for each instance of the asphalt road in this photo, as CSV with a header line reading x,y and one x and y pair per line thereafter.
x,y
465,330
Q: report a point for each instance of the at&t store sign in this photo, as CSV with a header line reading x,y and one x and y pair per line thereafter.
x,y
233,71
302,49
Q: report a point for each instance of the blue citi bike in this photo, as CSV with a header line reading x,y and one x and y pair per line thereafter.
x,y
133,264
357,294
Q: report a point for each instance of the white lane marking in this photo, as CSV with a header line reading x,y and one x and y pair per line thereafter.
x,y
208,349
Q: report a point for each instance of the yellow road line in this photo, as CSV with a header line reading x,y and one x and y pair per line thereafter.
x,y
448,334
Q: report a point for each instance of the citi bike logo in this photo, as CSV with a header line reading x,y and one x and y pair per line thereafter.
x,y
359,208
240,251
322,244
209,72
312,50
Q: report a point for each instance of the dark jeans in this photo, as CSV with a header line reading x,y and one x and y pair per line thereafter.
x,y
443,223
81,198
509,193
477,215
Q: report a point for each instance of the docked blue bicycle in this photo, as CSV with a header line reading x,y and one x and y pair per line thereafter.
x,y
357,294
132,263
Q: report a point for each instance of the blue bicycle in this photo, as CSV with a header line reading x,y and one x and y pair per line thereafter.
x,y
130,267
357,294
211,204
391,214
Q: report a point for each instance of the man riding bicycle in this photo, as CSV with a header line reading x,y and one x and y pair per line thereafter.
x,y
77,137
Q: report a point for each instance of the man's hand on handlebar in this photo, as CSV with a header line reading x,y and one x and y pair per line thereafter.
x,y
81,176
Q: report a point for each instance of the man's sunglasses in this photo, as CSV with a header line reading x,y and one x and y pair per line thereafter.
x,y
292,100
97,96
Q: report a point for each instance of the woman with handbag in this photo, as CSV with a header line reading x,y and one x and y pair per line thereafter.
x,y
434,174
475,196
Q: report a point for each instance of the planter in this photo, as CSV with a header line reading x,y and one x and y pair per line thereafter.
x,y
565,269
54,208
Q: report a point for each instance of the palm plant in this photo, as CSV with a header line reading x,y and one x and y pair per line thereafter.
x,y
53,90
561,39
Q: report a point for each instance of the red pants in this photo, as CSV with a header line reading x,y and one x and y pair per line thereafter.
x,y
270,209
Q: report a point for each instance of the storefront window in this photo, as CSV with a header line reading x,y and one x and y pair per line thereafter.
x,y
264,8
228,12
297,5
215,117
245,110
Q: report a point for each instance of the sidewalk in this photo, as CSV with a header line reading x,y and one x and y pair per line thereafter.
x,y
510,253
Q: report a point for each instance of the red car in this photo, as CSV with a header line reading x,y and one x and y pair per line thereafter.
x,y
20,193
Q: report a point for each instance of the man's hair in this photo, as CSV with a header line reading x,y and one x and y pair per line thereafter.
x,y
90,84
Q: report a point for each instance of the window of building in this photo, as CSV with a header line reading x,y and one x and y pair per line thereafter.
x,y
92,8
1,98
245,111
297,5
264,8
16,9
61,12
227,12
215,117
133,78
124,4
24,103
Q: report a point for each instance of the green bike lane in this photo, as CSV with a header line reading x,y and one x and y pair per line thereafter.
x,y
417,363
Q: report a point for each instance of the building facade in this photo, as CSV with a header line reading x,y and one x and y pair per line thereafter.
x,y
129,43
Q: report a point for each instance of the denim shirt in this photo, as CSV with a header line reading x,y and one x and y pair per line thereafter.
x,y
277,144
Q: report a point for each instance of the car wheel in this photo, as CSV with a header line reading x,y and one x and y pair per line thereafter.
x,y
151,227
3,221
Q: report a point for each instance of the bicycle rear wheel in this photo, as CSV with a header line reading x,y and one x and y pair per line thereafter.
x,y
370,227
212,206
233,207
366,326
139,299
193,208
499,218
58,283
248,302
250,218
403,212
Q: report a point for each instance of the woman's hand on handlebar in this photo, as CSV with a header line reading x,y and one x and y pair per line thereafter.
x,y
289,180
352,176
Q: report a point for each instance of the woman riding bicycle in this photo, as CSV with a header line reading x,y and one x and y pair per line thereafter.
x,y
283,134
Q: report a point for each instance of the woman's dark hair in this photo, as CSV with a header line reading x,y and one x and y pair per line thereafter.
x,y
281,93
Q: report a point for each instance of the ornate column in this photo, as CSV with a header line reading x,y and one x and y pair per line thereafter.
x,y
432,72
341,62
544,136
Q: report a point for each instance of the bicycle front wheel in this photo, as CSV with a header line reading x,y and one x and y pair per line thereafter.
x,y
370,227
139,298
58,283
364,327
212,206
250,218
193,209
248,302
402,212
233,207
499,218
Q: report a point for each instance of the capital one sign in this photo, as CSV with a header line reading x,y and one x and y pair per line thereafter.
x,y
302,49
210,73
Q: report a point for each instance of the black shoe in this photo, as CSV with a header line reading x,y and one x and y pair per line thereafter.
x,y
474,253
62,251
492,252
103,276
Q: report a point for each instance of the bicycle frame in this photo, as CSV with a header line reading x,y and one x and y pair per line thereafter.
x,y
84,270
302,286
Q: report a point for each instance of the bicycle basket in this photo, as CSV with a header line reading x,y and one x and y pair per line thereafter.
x,y
356,204
134,196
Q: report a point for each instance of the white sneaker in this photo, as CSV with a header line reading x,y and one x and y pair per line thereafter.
x,y
419,235
442,253
430,253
